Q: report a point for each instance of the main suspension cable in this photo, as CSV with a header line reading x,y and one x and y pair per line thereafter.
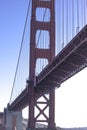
x,y
21,45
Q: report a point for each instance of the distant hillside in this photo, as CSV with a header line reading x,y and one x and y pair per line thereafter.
x,y
44,126
83,128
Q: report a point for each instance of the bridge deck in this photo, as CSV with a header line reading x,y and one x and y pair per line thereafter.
x,y
71,60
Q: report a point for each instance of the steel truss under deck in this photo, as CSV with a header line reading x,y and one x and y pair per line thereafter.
x,y
71,60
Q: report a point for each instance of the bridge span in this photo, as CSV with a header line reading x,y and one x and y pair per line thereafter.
x,y
71,60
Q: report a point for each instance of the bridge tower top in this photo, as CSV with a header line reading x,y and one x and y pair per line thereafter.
x,y
49,26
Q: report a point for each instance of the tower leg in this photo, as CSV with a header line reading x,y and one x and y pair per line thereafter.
x,y
44,53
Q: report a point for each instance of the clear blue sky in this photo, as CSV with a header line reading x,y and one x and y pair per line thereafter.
x,y
71,106
12,18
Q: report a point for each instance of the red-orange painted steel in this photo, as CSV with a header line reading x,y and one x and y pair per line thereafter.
x,y
71,60
36,53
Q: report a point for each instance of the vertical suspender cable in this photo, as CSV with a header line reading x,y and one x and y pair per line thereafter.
x,y
59,30
70,22
85,5
82,16
67,22
85,12
62,23
72,18
45,38
58,25
77,30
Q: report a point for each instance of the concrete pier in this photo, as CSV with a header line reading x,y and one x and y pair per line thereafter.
x,y
14,120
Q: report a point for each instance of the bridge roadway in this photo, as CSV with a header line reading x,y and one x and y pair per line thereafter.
x,y
71,60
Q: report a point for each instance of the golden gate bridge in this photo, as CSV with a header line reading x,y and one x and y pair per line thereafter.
x,y
53,49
